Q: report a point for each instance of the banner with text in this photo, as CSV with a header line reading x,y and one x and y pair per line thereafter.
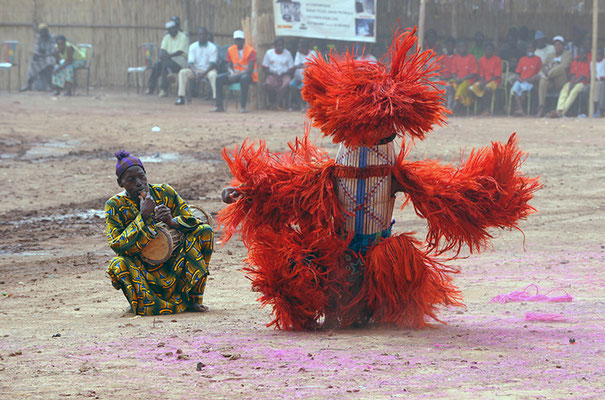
x,y
350,20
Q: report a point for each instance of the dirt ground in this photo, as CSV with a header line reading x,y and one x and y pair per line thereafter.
x,y
63,333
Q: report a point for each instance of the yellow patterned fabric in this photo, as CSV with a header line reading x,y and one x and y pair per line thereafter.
x,y
169,287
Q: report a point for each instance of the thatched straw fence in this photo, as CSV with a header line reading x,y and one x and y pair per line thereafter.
x,y
117,27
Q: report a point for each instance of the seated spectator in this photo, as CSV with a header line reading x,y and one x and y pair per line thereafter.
x,y
511,53
68,58
431,41
524,37
446,63
303,55
241,65
554,73
364,53
42,62
202,61
542,48
599,90
490,76
276,65
577,40
464,74
579,78
173,57
478,48
529,74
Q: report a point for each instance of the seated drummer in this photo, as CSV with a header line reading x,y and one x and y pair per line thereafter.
x,y
176,285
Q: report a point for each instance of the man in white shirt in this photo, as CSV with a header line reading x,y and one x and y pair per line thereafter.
x,y
542,49
173,57
202,59
599,88
276,64
303,55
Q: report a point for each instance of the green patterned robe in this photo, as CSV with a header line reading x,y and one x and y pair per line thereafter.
x,y
169,287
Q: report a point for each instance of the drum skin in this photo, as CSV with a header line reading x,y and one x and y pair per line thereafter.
x,y
160,248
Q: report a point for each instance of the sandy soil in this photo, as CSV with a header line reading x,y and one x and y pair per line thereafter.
x,y
63,333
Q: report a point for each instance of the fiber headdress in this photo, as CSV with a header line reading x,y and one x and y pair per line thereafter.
x,y
359,103
125,161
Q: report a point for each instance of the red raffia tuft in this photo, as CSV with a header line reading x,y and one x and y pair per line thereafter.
x,y
298,274
403,286
281,189
358,103
460,204
289,218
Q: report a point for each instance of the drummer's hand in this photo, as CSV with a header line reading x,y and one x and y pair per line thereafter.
x,y
230,195
163,213
146,204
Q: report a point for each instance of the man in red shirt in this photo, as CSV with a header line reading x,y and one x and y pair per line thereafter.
x,y
446,64
529,74
490,75
464,73
579,79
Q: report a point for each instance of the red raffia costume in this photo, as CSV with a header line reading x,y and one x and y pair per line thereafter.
x,y
318,230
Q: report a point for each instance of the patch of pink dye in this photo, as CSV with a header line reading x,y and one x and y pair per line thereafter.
x,y
527,295
540,317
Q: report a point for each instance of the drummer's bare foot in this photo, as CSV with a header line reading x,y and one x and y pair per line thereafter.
x,y
197,308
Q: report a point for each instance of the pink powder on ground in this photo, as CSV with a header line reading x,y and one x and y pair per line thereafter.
x,y
527,295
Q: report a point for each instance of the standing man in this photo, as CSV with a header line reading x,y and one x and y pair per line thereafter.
x,y
276,65
241,65
43,60
132,217
173,57
554,73
202,64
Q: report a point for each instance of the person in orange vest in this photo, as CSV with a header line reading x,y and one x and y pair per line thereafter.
x,y
241,60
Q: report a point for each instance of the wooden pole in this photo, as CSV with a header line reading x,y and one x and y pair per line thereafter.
x,y
454,18
593,62
421,18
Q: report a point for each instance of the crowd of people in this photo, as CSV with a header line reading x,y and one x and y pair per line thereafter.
x,y
529,70
526,66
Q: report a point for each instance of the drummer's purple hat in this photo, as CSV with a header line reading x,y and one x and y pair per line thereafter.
x,y
125,161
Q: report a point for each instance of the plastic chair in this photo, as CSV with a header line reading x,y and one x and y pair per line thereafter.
x,y
503,85
233,93
144,58
10,57
510,100
88,49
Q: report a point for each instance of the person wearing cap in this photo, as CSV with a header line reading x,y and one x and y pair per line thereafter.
x,y
68,58
579,79
554,73
276,65
173,57
241,65
41,64
543,49
202,60
132,218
